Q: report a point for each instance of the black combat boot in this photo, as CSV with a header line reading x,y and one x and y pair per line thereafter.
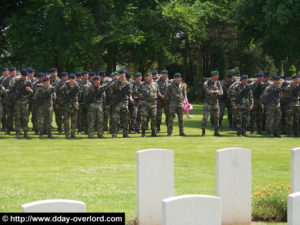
x,y
277,135
244,134
203,132
158,129
73,134
67,135
126,136
50,135
100,136
18,133
181,133
217,134
269,133
41,135
26,134
143,133
153,134
114,136
251,131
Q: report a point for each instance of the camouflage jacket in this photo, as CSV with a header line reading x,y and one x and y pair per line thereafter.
x,y
135,89
163,84
210,88
17,89
68,98
83,87
149,91
271,96
257,90
225,87
96,101
175,93
242,102
294,95
55,82
121,92
42,99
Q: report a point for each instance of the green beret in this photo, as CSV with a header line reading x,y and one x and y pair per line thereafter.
x,y
164,71
177,75
244,76
138,74
213,73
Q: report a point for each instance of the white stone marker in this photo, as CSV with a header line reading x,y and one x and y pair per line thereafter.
x,y
294,209
155,182
54,205
191,210
295,170
233,181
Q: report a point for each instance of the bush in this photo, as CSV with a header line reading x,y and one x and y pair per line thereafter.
x,y
270,203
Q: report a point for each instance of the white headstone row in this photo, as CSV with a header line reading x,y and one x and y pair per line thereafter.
x,y
155,189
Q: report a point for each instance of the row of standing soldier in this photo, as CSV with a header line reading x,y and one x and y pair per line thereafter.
x,y
89,102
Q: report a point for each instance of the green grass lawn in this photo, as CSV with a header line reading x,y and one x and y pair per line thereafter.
x,y
102,172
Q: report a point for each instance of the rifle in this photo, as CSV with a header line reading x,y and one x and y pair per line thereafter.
x,y
275,94
120,94
243,94
71,95
97,93
44,97
258,91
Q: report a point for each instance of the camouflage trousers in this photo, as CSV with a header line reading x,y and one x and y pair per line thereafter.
x,y
1,111
82,118
179,110
119,114
212,110
162,105
292,122
135,117
283,108
34,118
59,118
107,113
148,110
21,115
95,118
8,115
256,116
73,115
223,105
242,118
44,119
273,116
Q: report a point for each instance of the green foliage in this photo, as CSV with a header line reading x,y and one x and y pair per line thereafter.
x,y
270,203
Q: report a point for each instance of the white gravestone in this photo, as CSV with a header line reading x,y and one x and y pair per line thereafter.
x,y
233,181
192,210
54,205
155,182
295,170
294,209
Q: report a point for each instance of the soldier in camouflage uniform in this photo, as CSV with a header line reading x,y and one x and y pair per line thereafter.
x,y
174,97
94,103
163,83
21,89
242,103
54,81
136,114
271,98
267,84
108,103
213,90
84,84
8,103
148,93
256,115
293,108
2,91
57,108
69,104
35,85
43,100
224,101
121,92
284,101
5,74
